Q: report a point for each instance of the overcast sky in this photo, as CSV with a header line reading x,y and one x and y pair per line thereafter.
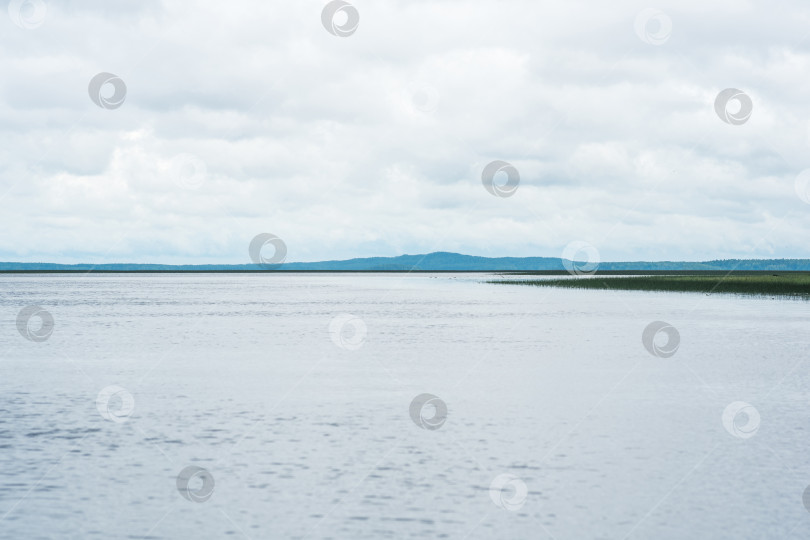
x,y
246,117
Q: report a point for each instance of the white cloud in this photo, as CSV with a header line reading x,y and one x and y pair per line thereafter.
x,y
374,144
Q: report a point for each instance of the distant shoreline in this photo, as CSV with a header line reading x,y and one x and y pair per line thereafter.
x,y
510,272
426,263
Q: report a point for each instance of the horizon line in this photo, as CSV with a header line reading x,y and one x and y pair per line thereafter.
x,y
322,261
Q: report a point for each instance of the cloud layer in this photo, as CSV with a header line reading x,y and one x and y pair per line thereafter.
x,y
246,117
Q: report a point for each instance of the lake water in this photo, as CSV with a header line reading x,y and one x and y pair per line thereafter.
x,y
289,397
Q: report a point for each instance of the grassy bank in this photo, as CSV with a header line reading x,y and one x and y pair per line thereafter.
x,y
783,284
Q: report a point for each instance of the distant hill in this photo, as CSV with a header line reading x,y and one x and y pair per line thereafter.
x,y
439,261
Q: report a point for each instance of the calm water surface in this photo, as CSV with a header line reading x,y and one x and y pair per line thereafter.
x,y
239,375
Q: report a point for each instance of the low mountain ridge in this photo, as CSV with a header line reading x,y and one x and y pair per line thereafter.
x,y
437,261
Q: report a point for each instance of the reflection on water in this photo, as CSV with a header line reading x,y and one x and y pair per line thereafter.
x,y
280,406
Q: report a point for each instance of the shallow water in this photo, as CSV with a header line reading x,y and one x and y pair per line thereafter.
x,y
307,433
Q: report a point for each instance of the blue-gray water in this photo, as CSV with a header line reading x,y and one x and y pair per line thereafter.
x,y
307,434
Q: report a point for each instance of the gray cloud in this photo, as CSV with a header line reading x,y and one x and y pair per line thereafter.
x,y
374,144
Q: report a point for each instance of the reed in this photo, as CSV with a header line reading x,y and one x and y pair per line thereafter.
x,y
784,284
